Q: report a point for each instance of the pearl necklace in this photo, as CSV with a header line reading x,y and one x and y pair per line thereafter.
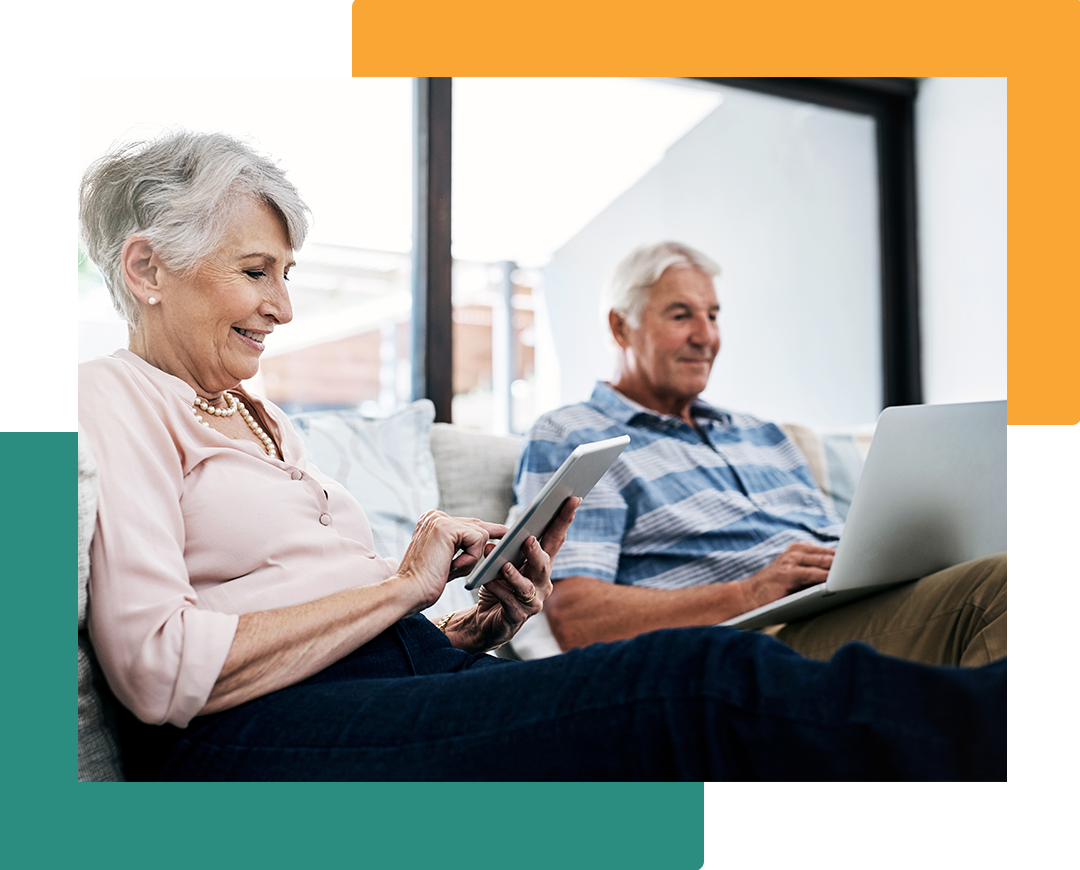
x,y
235,405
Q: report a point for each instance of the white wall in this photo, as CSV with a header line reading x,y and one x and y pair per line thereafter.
x,y
962,150
784,197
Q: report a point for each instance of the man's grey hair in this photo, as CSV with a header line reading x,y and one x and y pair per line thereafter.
x,y
642,267
179,192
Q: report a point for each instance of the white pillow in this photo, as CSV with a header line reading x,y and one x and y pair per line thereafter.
x,y
387,465
384,462
835,459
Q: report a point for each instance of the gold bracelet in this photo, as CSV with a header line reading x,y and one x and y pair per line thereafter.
x,y
441,624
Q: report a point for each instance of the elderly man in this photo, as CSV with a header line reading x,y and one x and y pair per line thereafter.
x,y
710,513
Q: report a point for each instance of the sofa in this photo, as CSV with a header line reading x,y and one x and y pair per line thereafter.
x,y
398,467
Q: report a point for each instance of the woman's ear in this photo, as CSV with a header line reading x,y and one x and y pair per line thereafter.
x,y
141,268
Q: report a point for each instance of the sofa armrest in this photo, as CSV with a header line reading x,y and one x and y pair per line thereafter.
x,y
99,748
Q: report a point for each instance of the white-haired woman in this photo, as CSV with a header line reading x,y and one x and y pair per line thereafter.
x,y
250,631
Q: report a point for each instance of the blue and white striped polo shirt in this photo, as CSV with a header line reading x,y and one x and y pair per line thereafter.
x,y
680,506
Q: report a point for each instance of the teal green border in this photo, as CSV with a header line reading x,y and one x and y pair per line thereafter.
x,y
563,825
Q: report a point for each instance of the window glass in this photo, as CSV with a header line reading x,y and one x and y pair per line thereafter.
x,y
560,178
534,161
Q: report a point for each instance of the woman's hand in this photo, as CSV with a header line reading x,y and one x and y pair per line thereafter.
x,y
510,599
443,547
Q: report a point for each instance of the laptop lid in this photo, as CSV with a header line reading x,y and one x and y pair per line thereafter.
x,y
932,494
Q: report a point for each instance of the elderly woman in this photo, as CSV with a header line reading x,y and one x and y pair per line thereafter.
x,y
250,631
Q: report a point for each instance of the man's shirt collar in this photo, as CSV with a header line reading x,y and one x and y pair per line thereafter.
x,y
617,406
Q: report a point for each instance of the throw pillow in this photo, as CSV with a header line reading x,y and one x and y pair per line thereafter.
x,y
835,459
385,462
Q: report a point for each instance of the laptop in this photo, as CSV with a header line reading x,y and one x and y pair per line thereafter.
x,y
932,494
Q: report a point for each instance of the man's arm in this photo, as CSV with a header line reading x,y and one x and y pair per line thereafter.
x,y
584,610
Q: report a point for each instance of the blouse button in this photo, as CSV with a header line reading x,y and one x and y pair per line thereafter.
x,y
325,519
297,475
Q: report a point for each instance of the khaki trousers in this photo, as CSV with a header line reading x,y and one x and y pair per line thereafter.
x,y
954,617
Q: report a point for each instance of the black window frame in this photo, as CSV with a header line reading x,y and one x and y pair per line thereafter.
x,y
890,102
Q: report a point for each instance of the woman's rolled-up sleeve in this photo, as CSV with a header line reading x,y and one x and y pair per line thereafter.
x,y
160,653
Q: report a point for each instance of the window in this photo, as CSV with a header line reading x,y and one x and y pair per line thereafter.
x,y
535,160
556,179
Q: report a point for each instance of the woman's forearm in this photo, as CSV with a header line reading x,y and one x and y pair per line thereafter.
x,y
273,649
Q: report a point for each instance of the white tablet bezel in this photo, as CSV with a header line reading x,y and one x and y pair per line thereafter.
x,y
575,478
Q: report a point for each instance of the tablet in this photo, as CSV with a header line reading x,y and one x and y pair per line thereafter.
x,y
575,477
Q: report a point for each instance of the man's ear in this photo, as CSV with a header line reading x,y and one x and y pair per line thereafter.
x,y
619,328
141,268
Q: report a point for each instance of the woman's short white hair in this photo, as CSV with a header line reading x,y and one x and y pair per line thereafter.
x,y
642,267
178,192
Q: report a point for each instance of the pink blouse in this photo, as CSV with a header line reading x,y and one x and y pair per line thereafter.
x,y
195,528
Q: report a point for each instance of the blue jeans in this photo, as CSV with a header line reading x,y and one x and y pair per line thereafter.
x,y
690,704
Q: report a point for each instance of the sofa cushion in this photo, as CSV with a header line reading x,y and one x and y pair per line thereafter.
x,y
99,752
835,459
476,479
475,471
385,462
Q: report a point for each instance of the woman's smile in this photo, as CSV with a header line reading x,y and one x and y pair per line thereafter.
x,y
251,338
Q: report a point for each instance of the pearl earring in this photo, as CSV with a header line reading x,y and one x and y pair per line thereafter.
x,y
152,300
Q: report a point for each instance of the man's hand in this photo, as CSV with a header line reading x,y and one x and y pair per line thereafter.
x,y
584,610
799,566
